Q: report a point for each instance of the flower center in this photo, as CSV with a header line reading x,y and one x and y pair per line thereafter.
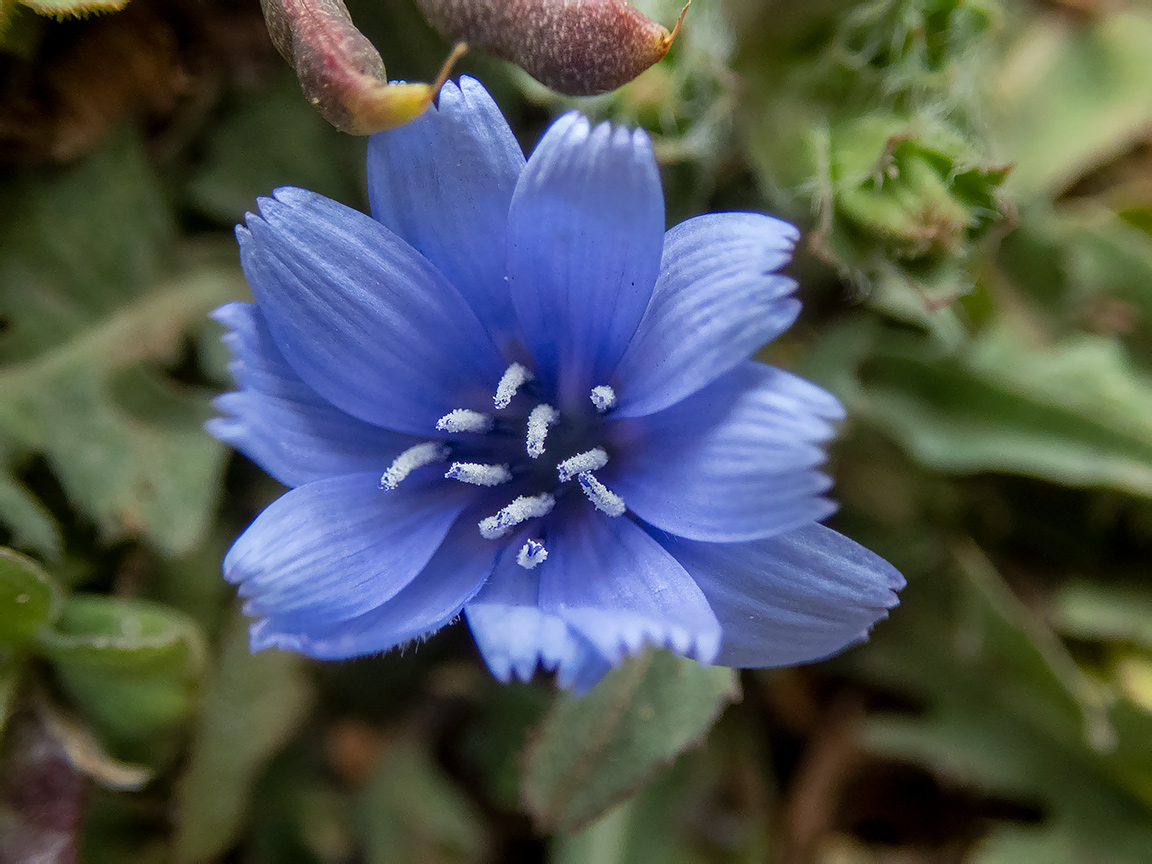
x,y
525,455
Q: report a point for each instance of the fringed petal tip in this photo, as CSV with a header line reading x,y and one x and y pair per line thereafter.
x,y
619,635
798,597
518,641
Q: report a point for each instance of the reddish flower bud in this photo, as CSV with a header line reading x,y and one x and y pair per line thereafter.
x,y
579,47
340,71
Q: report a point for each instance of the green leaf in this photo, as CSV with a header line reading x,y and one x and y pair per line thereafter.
x,y
642,830
30,523
28,596
1009,712
591,752
93,320
411,812
252,705
1070,95
1089,610
1076,413
133,666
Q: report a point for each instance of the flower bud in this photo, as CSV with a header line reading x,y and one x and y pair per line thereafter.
x,y
578,47
340,71
911,190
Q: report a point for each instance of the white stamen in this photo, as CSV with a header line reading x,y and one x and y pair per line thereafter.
x,y
411,459
523,508
514,377
590,460
603,397
539,420
532,554
464,420
478,474
602,498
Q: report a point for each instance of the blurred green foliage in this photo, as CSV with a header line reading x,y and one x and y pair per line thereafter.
x,y
974,182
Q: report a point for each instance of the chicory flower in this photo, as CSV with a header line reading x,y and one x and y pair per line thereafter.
x,y
510,393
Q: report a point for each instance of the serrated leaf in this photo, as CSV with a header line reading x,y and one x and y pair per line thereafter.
x,y
411,812
252,705
28,596
132,666
1076,413
93,318
591,752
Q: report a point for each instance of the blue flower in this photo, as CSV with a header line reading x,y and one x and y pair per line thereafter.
x,y
510,393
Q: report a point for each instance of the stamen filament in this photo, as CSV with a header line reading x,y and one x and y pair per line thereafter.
x,y
603,397
602,498
539,420
464,420
478,474
521,509
590,460
514,377
411,459
532,554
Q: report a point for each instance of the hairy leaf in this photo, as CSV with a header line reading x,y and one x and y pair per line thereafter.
x,y
252,705
28,596
591,752
1076,413
97,307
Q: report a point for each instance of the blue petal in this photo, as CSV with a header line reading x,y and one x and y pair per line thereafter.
x,y
444,183
794,598
585,234
733,462
515,637
617,587
715,304
427,603
281,423
363,318
336,548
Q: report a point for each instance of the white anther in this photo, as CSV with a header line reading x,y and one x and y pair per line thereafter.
x,y
523,508
539,420
602,498
411,459
514,377
532,554
464,420
589,460
479,475
603,397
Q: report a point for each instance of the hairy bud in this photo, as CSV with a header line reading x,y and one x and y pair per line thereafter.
x,y
340,71
579,47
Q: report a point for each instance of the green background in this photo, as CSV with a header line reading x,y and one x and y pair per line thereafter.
x,y
974,183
